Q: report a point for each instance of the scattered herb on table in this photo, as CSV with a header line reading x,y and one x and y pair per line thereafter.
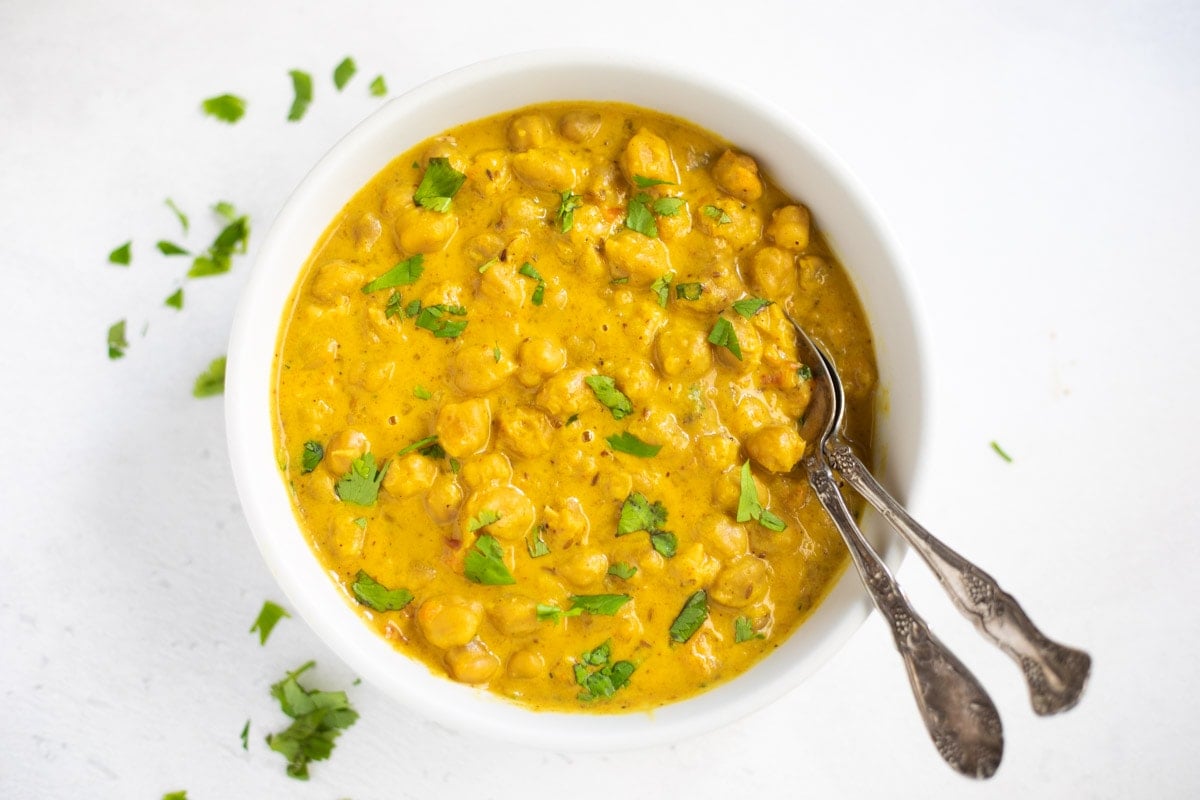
x,y
225,107
302,91
360,485
343,72
170,248
690,617
122,255
211,382
233,238
485,563
175,300
182,795
374,594
268,617
1000,452
117,343
179,215
378,87
318,718
245,736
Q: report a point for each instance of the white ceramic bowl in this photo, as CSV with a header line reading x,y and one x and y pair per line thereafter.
x,y
800,164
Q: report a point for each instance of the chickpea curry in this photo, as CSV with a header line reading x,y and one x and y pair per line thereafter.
x,y
537,401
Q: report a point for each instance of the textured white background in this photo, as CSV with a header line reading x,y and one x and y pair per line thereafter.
x,y
1039,163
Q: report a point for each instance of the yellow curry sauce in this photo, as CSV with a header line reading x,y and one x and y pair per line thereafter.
x,y
552,376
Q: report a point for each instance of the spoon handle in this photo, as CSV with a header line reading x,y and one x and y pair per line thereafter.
x,y
1055,674
960,717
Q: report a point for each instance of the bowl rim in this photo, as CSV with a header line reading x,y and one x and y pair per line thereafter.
x,y
248,389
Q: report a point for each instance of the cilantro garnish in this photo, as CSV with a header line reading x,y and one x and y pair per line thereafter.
x,y
535,544
716,213
622,570
529,271
723,335
378,87
667,206
749,508
626,442
690,617
485,266
245,736
374,594
225,107
212,381
311,457
743,631
318,719
233,238
804,373
439,183
689,291
485,563
662,288
607,678
484,518
1000,452
606,391
553,613
664,543
360,485
420,444
645,183
302,87
566,210
421,393
433,318
117,343
343,72
639,514
405,273
599,604
122,255
394,306
170,248
175,300
496,354
638,217
267,619
181,795
179,215
750,306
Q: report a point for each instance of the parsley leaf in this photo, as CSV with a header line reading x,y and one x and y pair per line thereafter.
x,y
267,619
485,563
690,617
599,604
484,518
405,273
225,107
439,183
622,570
664,543
117,343
302,87
374,594
628,443
716,213
645,183
529,271
750,306
535,544
343,72
566,210
723,335
233,238
182,217
212,381
311,457
170,249
606,391
360,485
318,719
743,631
662,288
1000,452
175,300
378,87
639,514
689,291
638,217
749,508
433,318
122,255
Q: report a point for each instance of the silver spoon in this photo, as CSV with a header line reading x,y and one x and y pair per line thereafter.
x,y
960,717
1055,674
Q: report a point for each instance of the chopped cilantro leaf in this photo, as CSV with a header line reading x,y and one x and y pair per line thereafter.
x,y
378,87
639,514
723,335
245,736
421,393
233,238
606,391
225,107
599,604
180,795
175,300
626,442
535,544
302,88
360,485
318,719
749,507
643,182
418,445
412,309
212,381
182,217
311,457
598,656
606,678
374,594
485,563
664,543
405,273
529,271
1000,452
394,306
804,373
170,248
343,72
689,291
484,518
485,266
117,343
496,354
433,318
622,570
566,210
553,613
122,255
771,522
750,306
662,288
743,631
716,213
667,206
690,617
439,183
638,217
267,619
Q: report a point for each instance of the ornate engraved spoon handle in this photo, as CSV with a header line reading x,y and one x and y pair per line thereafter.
x,y
959,715
1056,674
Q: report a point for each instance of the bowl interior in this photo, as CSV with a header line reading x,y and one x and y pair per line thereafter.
x,y
798,164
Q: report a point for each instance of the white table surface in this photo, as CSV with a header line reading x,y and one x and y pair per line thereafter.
x,y
1040,165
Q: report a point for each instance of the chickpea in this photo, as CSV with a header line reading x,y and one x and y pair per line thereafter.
x,y
482,248
443,292
773,273
487,469
746,412
605,186
421,230
525,431
564,394
727,490
636,378
583,568
567,525
620,484
341,450
471,663
693,568
410,475
718,450
516,511
542,356
737,176
335,281
520,214
789,227
648,155
488,174
579,126
776,447
628,625
449,620
525,664
701,651
741,583
545,170
374,377
464,428
659,426
366,231
529,131
397,198
675,226
504,285
514,614
814,272
683,351
724,537
634,550
476,369
641,259
443,499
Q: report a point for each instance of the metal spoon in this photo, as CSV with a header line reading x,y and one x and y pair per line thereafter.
x,y
1055,674
960,717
